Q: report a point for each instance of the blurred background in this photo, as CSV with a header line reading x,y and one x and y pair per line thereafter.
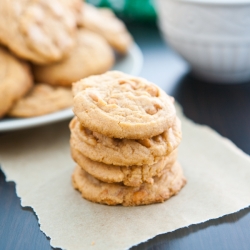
x,y
130,10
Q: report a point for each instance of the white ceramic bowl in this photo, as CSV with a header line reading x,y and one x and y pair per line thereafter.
x,y
212,35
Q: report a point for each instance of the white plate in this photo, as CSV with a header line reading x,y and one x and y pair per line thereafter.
x,y
130,64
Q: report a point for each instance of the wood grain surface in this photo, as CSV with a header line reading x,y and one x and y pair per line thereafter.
x,y
225,108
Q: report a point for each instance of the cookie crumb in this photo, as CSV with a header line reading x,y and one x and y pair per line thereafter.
x,y
92,243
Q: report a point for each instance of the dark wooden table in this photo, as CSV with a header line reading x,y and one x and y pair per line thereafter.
x,y
224,108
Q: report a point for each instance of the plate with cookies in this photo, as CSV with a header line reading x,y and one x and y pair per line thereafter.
x,y
50,46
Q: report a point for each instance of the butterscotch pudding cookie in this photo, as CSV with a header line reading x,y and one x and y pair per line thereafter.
x,y
119,151
42,99
15,80
168,184
124,139
91,56
128,175
121,106
105,23
42,31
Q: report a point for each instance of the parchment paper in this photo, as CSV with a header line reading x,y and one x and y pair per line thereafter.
x,y
39,162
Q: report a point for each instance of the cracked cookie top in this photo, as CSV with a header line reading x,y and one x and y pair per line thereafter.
x,y
91,56
122,106
28,28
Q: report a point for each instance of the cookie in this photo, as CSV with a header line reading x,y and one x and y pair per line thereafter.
x,y
106,24
15,80
122,106
124,152
40,31
130,176
42,99
168,184
92,55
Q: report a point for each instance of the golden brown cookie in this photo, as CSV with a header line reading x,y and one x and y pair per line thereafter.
x,y
130,176
124,152
122,106
105,23
42,99
15,80
42,31
168,184
91,56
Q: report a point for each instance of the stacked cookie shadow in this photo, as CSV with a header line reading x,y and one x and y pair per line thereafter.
x,y
46,45
124,139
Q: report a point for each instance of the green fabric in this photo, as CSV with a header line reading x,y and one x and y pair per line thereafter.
x,y
143,10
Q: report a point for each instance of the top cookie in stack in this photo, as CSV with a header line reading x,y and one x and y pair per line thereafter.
x,y
124,139
121,106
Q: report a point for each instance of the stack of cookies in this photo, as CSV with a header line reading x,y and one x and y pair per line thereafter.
x,y
124,139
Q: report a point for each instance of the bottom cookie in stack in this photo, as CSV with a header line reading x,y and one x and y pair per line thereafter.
x,y
168,184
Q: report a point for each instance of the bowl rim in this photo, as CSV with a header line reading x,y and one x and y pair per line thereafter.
x,y
213,2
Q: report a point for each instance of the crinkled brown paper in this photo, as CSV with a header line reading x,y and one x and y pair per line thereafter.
x,y
39,162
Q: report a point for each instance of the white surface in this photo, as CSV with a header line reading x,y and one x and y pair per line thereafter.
x,y
130,64
213,38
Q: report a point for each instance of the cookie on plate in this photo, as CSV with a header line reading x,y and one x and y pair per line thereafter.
x,y
122,106
168,184
15,80
92,55
42,99
124,152
104,22
128,175
41,31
